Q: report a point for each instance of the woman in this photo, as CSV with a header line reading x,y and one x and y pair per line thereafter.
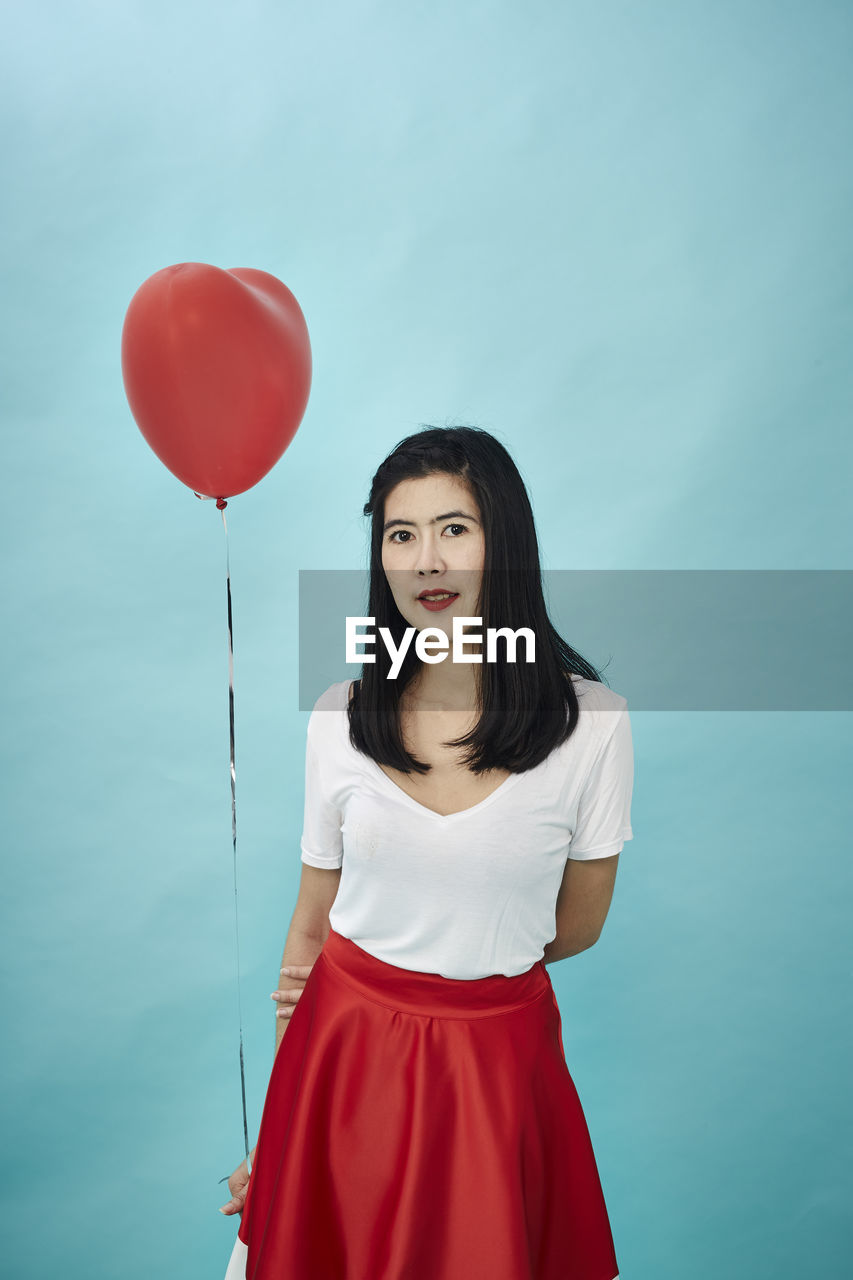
x,y
462,830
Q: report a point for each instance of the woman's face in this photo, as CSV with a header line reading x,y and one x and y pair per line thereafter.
x,y
433,541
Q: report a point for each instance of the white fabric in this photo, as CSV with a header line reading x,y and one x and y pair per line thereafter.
x,y
237,1261
473,893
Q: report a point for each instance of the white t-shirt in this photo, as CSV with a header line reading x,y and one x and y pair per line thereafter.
x,y
473,893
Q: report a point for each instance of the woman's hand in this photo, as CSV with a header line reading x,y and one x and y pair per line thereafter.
x,y
288,996
237,1184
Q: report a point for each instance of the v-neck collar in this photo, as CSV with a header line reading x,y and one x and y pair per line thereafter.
x,y
404,796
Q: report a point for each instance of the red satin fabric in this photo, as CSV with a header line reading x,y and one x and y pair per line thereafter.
x,y
418,1127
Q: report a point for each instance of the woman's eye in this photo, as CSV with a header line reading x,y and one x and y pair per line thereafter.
x,y
392,536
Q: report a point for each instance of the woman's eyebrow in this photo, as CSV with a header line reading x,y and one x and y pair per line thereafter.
x,y
447,515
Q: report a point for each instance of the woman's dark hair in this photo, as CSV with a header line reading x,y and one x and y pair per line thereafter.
x,y
526,708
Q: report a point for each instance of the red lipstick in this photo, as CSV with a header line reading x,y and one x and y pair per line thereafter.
x,y
434,605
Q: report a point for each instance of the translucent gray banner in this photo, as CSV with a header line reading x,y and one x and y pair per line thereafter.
x,y
666,639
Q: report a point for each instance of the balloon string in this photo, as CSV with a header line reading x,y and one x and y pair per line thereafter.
x,y
221,504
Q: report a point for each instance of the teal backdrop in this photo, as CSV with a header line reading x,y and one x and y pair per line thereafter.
x,y
618,236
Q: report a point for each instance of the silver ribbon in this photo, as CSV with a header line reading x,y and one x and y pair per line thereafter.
x,y
222,504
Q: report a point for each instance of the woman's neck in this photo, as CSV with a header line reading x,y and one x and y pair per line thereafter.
x,y
446,686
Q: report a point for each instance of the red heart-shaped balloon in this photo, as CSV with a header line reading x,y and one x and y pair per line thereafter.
x,y
217,371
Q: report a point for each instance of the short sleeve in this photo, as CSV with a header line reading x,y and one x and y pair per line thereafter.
x,y
322,842
604,809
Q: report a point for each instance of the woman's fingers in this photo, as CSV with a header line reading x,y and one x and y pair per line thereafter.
x,y
237,1184
288,996
286,999
287,1002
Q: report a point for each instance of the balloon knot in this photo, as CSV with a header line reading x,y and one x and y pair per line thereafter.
x,y
221,503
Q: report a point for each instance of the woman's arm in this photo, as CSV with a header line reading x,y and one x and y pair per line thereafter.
x,y
556,950
583,902
299,949
309,929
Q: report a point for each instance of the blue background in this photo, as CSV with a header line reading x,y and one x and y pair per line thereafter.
x,y
617,236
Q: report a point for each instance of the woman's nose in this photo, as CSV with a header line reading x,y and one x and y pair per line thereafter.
x,y
429,562
429,557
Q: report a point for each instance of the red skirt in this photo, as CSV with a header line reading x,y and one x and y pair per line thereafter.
x,y
418,1127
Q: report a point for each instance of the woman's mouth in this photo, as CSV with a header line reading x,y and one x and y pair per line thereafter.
x,y
436,602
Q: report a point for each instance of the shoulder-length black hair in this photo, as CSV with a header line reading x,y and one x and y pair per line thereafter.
x,y
526,708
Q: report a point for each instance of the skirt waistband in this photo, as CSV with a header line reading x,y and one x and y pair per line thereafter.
x,y
431,994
